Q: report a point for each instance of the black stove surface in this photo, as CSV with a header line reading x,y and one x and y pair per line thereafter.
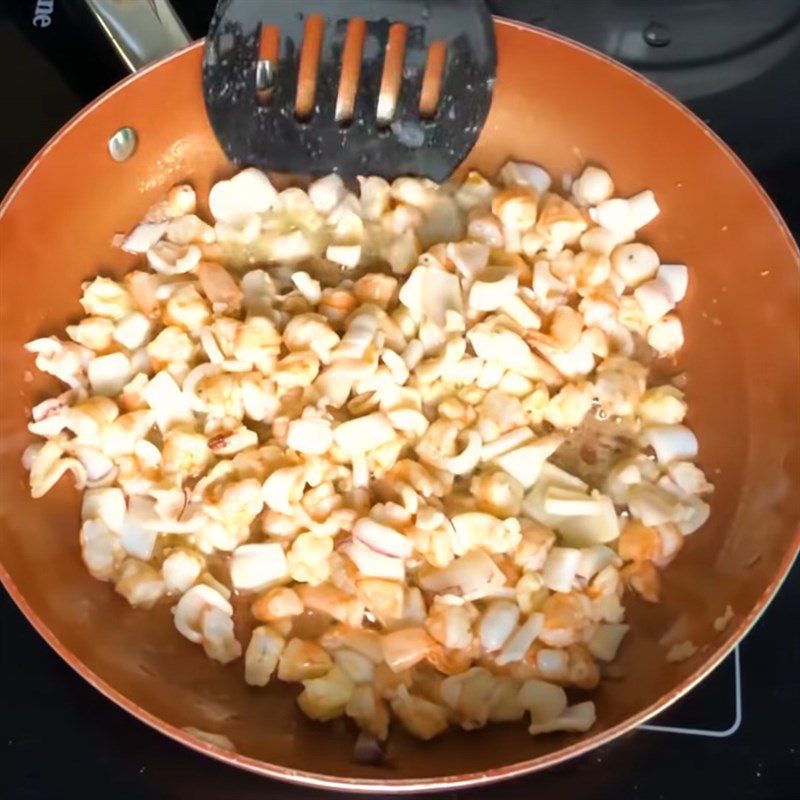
x,y
737,65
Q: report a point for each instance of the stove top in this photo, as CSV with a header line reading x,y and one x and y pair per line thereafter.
x,y
736,64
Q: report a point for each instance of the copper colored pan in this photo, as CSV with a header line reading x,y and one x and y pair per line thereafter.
x,y
557,104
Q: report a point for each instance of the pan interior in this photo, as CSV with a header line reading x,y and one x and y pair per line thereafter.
x,y
555,104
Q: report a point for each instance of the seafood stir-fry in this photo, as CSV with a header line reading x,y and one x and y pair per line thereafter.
x,y
403,445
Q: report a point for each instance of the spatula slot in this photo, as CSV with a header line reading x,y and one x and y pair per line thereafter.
x,y
432,79
392,76
267,64
309,67
350,74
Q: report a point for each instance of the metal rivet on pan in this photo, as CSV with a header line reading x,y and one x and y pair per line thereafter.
x,y
657,35
122,144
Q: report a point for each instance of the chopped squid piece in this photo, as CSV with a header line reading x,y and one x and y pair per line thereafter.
x,y
371,714
644,208
681,651
357,667
404,648
562,501
47,467
470,696
139,535
363,434
506,443
262,654
374,564
593,186
654,299
574,719
504,705
671,442
472,575
106,505
525,463
497,624
132,331
492,288
215,739
666,335
606,640
561,568
470,258
421,717
143,237
676,277
594,559
108,375
450,625
326,697
163,395
635,263
520,173
219,286
476,529
181,569
139,583
308,287
517,646
100,549
168,258
302,660
254,566
187,613
219,641
104,297
230,442
382,539
423,490
278,603
430,292
248,192
284,488
721,622
311,436
188,229
545,701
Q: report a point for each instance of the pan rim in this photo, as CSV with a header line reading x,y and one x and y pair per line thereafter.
x,y
440,783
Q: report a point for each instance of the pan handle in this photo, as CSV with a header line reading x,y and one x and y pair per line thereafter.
x,y
141,31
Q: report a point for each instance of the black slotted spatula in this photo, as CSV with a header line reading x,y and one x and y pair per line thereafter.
x,y
387,87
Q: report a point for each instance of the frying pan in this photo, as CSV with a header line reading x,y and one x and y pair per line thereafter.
x,y
555,103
